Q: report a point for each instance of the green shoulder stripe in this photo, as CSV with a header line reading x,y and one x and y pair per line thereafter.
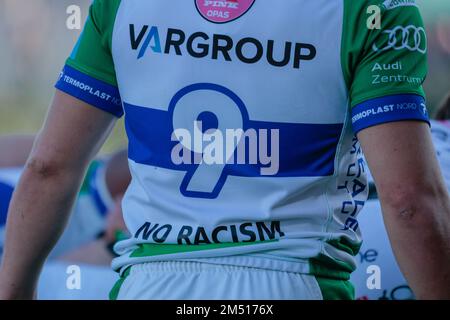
x,y
387,57
92,53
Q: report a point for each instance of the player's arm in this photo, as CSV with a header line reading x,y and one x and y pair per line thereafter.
x,y
82,113
40,207
385,71
415,203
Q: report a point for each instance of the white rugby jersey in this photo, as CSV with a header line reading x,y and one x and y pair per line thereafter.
x,y
241,118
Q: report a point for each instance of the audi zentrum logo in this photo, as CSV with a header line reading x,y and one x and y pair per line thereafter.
x,y
410,37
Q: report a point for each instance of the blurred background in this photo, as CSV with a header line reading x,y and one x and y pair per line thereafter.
x,y
34,43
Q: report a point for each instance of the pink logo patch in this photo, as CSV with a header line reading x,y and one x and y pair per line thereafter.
x,y
223,11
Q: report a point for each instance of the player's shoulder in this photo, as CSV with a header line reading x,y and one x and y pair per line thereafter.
x,y
106,4
368,19
362,8
104,11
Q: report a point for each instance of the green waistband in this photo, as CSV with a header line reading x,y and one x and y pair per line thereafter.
x,y
334,289
326,267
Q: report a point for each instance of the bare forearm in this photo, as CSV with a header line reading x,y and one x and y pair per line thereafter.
x,y
419,233
38,214
72,134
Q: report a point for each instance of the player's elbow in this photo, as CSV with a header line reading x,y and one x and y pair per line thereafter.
x,y
416,204
45,168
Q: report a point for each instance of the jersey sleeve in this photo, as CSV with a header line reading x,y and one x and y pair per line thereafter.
x,y
89,73
387,65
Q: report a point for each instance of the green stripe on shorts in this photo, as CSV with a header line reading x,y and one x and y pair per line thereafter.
x,y
335,289
114,293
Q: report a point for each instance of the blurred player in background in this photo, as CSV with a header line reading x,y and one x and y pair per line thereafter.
x,y
307,80
443,112
105,183
94,226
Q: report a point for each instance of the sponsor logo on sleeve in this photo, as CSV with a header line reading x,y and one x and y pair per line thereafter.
x,y
410,38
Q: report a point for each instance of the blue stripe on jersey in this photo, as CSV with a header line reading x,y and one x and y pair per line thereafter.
x,y
90,90
306,150
6,192
389,109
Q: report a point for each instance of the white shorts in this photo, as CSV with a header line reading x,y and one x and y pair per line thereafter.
x,y
203,281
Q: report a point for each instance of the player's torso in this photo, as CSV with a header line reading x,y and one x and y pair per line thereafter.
x,y
270,69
